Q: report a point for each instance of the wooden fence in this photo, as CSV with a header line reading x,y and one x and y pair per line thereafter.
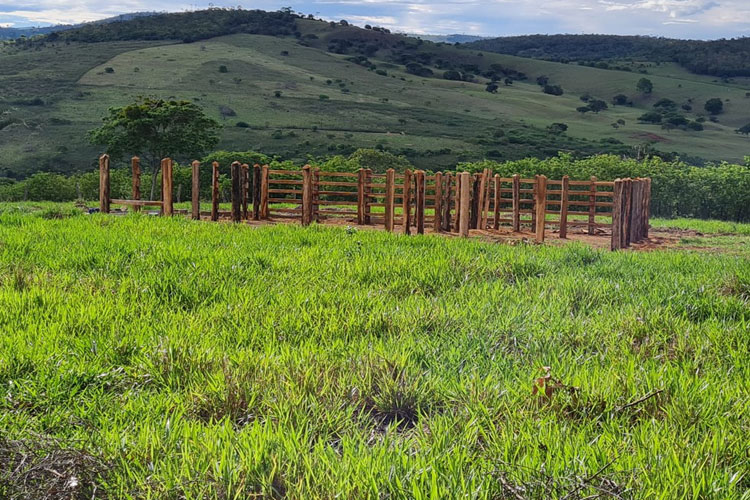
x,y
414,200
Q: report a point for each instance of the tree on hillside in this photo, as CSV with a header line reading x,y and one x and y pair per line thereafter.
x,y
745,129
154,129
597,105
644,86
714,106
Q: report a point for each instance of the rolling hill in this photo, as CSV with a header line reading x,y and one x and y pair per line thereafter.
x,y
299,87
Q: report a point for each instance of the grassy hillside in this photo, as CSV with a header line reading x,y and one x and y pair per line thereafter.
x,y
164,358
54,92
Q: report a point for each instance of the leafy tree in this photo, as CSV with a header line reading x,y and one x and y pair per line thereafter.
x,y
745,129
650,117
491,88
223,69
597,105
557,128
583,109
154,129
620,100
665,104
508,81
714,106
452,74
553,90
644,86
542,80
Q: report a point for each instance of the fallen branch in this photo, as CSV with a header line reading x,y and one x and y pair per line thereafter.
x,y
642,400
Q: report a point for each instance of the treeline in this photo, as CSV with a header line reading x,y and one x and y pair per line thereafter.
x,y
185,26
724,58
720,191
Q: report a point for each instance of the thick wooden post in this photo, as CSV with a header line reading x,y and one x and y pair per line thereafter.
x,y
541,207
592,206
480,196
390,198
264,192
406,205
564,206
516,203
616,242
215,191
256,192
196,190
368,195
104,192
496,211
420,193
135,165
628,194
464,200
476,189
448,201
437,221
486,204
307,196
236,169
361,179
167,190
459,180
245,190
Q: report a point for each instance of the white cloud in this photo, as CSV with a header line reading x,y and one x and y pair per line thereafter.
x,y
680,18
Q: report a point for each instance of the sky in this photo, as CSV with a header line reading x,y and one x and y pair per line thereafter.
x,y
700,19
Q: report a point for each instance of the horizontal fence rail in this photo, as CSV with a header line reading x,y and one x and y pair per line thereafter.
x,y
445,202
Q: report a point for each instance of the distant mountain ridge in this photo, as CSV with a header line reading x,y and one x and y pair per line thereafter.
x,y
455,38
13,33
724,58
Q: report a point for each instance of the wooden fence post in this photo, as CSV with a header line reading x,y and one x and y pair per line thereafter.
x,y
516,203
647,209
419,215
390,197
236,170
480,195
635,235
256,192
368,195
541,207
135,165
264,192
406,205
215,191
245,190
496,213
464,200
448,199
592,206
564,206
616,242
307,196
167,188
104,188
628,191
485,214
196,190
459,179
437,221
361,196
475,189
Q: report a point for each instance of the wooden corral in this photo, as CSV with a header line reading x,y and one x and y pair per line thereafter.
x,y
443,202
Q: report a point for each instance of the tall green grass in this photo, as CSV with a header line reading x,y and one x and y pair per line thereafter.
x,y
217,361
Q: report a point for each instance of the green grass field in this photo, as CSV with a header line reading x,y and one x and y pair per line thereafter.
x,y
164,358
436,121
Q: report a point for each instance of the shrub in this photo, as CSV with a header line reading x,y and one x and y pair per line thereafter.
x,y
223,69
553,90
714,106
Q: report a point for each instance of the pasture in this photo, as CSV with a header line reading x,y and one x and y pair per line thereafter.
x,y
150,357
